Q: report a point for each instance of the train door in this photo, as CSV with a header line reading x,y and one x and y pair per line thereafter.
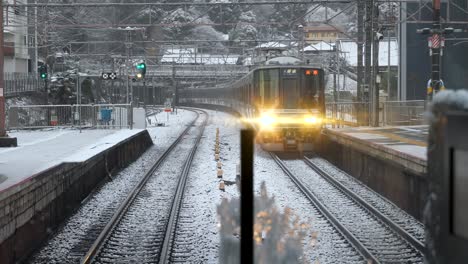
x,y
290,89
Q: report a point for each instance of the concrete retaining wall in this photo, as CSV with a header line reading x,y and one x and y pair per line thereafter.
x,y
30,210
400,179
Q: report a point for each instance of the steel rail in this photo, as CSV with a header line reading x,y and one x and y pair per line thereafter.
x,y
322,208
165,252
394,226
92,252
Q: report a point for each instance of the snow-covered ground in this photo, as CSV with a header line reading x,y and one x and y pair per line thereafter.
x,y
77,230
40,150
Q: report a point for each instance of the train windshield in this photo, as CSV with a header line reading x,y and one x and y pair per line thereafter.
x,y
311,88
269,87
290,93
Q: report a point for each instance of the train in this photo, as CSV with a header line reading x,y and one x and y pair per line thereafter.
x,y
284,102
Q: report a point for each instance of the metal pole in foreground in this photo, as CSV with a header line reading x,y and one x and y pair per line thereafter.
x,y
247,197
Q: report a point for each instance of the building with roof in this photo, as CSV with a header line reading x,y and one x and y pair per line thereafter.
x,y
16,37
315,33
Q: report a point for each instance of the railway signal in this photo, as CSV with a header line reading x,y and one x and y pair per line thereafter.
x,y
141,70
43,72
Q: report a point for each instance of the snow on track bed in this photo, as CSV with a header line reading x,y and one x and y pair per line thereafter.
x,y
72,240
197,238
381,241
389,209
331,246
139,235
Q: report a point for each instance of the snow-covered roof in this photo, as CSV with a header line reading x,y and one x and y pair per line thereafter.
x,y
320,46
349,49
189,56
283,61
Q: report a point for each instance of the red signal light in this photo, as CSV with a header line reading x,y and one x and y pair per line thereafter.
x,y
315,72
307,72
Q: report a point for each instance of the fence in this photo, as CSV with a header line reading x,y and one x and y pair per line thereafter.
x,y
393,113
83,116
346,113
17,83
399,113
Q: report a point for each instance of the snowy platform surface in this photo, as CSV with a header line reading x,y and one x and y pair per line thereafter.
x,y
407,140
41,150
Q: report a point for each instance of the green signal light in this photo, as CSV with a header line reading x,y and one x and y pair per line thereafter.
x,y
44,75
141,66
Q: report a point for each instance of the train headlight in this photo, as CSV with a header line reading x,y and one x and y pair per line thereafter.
x,y
312,120
267,120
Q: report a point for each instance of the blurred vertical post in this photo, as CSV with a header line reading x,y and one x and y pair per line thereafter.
x,y
2,97
247,197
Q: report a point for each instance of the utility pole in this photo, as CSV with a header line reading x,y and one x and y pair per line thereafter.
x,y
36,54
301,42
436,45
367,60
436,41
388,64
128,45
360,72
375,67
337,91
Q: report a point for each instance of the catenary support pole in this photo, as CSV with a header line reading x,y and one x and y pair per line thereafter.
x,y
367,59
375,67
360,69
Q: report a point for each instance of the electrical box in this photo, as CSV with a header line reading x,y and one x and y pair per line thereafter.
x,y
139,118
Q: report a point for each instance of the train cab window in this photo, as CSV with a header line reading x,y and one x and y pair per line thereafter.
x,y
269,86
311,88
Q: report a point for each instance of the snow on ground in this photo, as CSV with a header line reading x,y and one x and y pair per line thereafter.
x,y
322,244
171,123
40,150
76,229
202,195
43,149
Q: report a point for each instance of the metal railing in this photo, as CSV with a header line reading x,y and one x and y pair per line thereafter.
x,y
346,113
392,113
399,113
102,116
198,70
17,83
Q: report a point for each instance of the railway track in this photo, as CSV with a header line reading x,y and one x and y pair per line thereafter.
x,y
371,232
392,215
142,228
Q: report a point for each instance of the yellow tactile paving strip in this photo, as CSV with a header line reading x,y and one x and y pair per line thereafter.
x,y
397,138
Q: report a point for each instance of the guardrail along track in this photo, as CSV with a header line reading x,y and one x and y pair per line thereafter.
x,y
374,238
141,229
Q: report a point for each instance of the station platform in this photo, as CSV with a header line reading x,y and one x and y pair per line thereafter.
x,y
405,145
390,160
39,151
